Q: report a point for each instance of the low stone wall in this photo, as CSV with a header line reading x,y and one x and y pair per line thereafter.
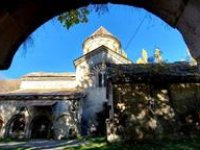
x,y
149,111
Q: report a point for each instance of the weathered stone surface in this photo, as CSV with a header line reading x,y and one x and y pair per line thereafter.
x,y
154,111
188,24
66,102
154,101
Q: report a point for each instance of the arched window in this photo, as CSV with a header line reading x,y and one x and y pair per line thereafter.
x,y
102,79
99,71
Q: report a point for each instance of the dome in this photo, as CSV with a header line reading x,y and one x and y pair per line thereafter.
x,y
101,37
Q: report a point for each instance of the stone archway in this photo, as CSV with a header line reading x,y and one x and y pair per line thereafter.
x,y
15,127
20,18
41,127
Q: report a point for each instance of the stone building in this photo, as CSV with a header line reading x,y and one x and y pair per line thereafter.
x,y
107,93
63,105
153,101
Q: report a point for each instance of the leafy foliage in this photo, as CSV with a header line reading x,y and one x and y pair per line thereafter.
x,y
76,16
73,17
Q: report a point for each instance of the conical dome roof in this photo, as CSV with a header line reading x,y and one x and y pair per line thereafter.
x,y
102,31
101,37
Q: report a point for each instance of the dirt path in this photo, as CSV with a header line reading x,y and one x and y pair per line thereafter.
x,y
41,144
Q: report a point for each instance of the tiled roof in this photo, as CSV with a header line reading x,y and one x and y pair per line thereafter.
x,y
50,94
43,92
50,74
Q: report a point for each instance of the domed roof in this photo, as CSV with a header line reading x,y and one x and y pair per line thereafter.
x,y
101,37
101,31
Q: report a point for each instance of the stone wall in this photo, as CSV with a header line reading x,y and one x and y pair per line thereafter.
x,y
38,85
7,110
88,69
64,119
67,119
149,111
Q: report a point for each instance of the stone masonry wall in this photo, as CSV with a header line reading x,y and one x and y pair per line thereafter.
x,y
145,111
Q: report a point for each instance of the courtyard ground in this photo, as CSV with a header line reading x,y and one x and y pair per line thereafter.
x,y
100,144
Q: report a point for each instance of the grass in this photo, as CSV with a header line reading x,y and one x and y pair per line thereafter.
x,y
100,144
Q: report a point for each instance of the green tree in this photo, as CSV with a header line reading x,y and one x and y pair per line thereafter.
x,y
73,17
76,16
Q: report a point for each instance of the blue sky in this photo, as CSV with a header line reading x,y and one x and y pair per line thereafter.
x,y
53,48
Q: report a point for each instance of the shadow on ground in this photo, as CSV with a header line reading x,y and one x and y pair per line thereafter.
x,y
40,144
101,144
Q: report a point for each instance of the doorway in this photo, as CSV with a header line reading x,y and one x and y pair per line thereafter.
x,y
41,128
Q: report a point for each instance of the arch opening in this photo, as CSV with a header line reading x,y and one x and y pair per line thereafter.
x,y
131,48
41,128
16,127
170,11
